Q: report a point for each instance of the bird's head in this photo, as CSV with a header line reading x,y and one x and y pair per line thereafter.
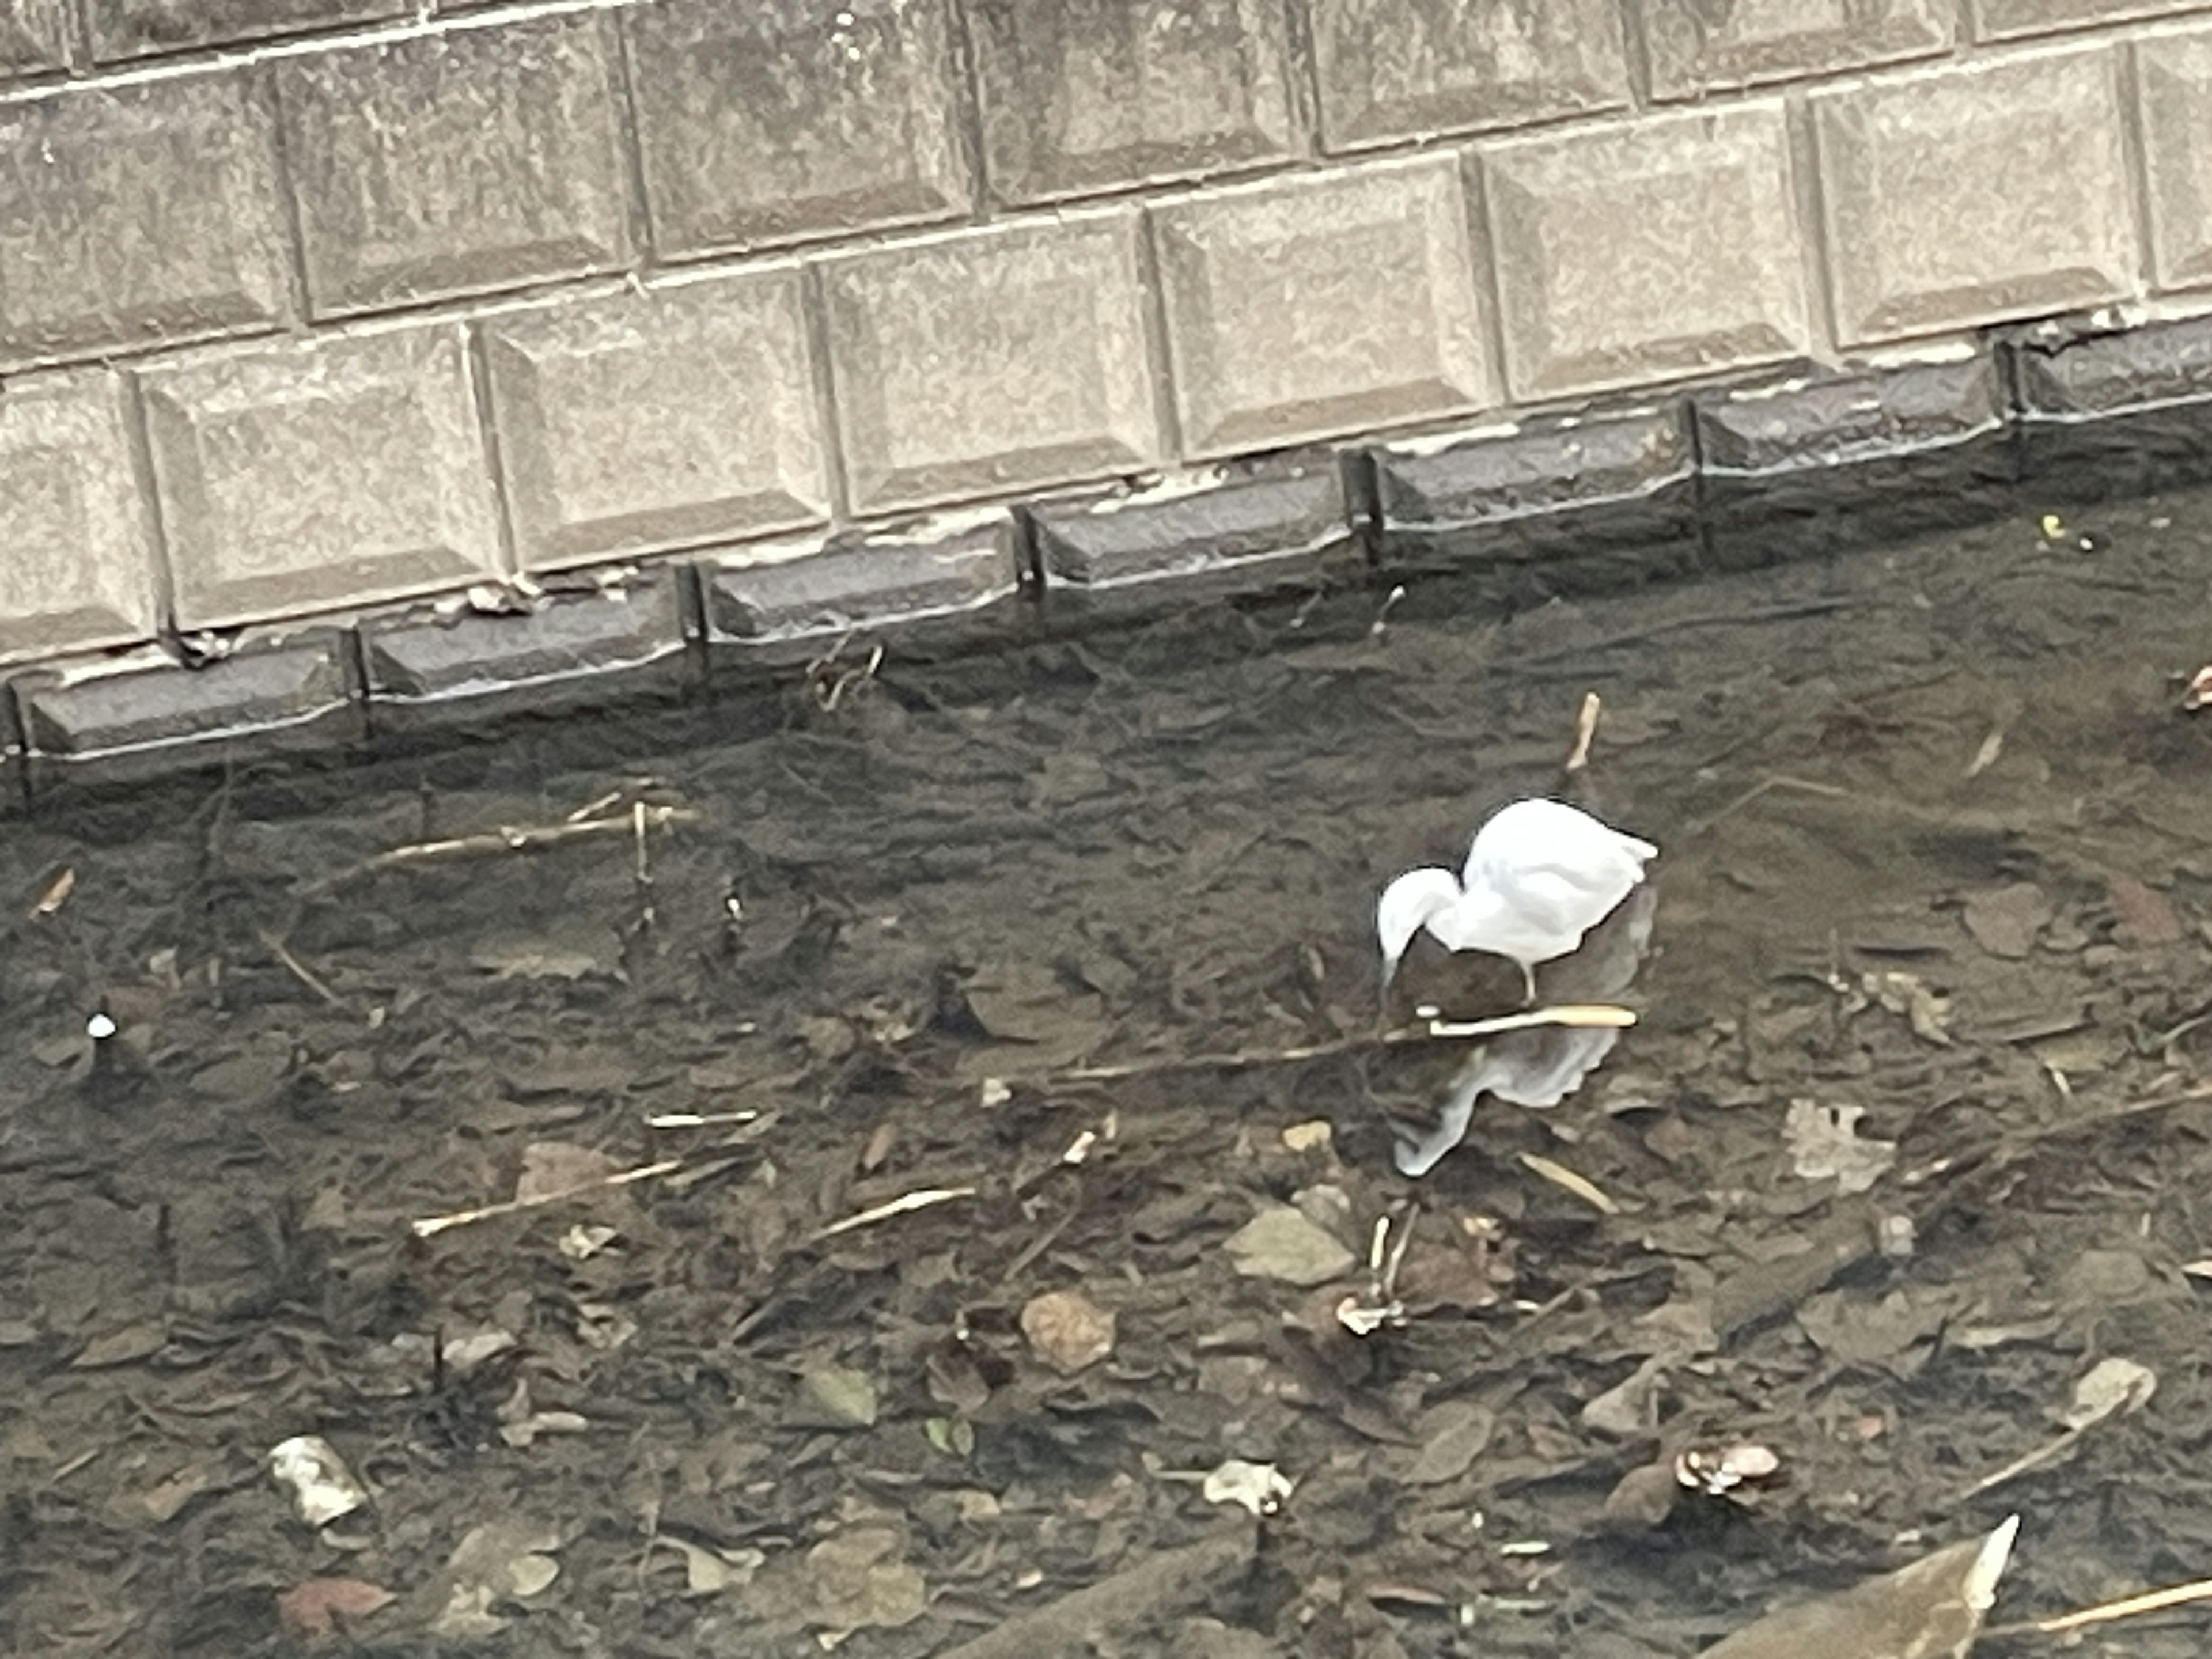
x,y
1405,908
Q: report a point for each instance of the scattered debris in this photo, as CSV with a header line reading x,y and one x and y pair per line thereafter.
x,y
315,1608
323,1489
1260,1488
1067,1330
498,1561
1824,1145
1281,1243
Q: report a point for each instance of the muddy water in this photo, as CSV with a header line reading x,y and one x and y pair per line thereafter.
x,y
1935,860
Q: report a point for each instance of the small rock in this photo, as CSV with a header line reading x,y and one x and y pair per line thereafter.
x,y
1281,1243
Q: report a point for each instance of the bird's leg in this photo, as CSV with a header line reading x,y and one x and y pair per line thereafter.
x,y
1528,984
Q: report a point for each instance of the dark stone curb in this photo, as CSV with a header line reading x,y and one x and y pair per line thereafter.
x,y
1712,479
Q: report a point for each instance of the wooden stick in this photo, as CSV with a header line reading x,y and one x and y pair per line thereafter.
x,y
431,1225
528,838
1582,1014
2157,1600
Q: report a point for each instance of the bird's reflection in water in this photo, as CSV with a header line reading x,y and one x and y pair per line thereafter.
x,y
1537,1067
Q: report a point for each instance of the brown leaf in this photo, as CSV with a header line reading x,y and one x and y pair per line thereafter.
x,y
2145,917
309,1607
550,1167
1067,1330
2004,920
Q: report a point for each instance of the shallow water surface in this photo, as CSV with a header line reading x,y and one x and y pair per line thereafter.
x,y
1934,876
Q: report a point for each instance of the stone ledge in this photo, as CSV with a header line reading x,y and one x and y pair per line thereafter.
x,y
2105,414
1600,498
125,718
947,585
610,634
1216,534
1569,502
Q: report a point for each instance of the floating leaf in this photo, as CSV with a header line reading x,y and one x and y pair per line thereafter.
x,y
1067,1330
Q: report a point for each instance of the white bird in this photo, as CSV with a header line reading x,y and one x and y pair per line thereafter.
x,y
1539,875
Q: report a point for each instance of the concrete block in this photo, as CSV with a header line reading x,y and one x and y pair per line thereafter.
x,y
682,414
1213,534
1816,465
78,567
1322,304
1393,70
1694,48
309,475
451,163
137,28
2115,414
1669,247
136,215
989,361
584,640
775,121
126,719
950,584
1962,196
1090,95
36,38
1560,504
2174,74
2008,19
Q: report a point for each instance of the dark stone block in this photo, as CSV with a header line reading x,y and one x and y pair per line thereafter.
x,y
931,592
1574,505
134,28
781,119
126,718
1811,467
1093,94
585,641
453,163
1232,535
2123,414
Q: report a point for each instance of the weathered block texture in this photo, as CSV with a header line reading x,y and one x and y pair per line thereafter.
x,y
133,28
992,360
1816,466
1583,495
1322,305
945,586
451,163
2116,414
76,552
148,713
1962,196
2001,19
34,36
587,644
1630,254
1231,533
781,119
134,214
2174,75
299,477
1695,47
682,415
1089,94
1392,69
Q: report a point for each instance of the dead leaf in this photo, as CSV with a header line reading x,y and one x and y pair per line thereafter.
x,y
861,1582
1067,1330
553,1167
1452,1435
1824,1143
2145,917
1281,1243
834,1397
711,1571
130,1344
167,1500
312,1607
2005,921
499,1561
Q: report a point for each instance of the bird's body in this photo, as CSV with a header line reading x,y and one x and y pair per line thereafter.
x,y
1539,875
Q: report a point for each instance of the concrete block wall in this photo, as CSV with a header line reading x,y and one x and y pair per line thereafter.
x,y
310,305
